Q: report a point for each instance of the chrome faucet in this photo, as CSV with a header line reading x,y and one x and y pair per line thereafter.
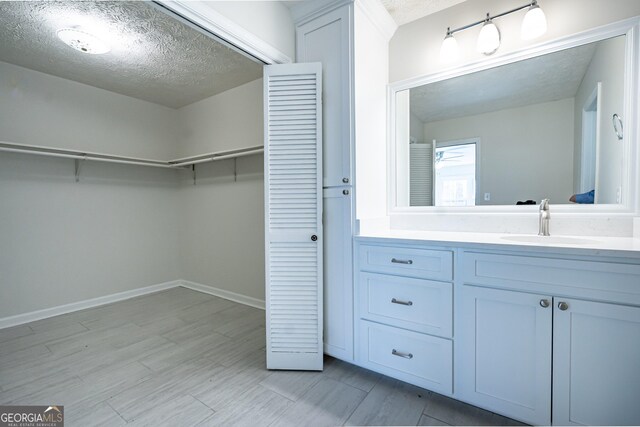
x,y
545,215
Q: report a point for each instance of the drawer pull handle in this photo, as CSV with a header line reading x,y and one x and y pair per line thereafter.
x,y
401,261
403,355
396,301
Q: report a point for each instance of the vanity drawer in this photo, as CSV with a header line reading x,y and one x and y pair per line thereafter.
x,y
416,304
422,263
418,359
608,281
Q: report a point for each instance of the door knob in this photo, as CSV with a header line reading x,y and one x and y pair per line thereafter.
x,y
314,238
345,192
345,180
544,303
563,305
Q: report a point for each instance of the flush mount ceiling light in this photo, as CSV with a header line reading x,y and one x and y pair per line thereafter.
x,y
83,41
534,25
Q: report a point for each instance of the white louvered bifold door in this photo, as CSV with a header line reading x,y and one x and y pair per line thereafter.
x,y
293,215
420,174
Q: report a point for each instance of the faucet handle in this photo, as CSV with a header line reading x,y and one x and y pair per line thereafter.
x,y
544,205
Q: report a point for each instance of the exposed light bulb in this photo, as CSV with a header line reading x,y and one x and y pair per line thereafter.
x,y
83,41
534,23
449,51
489,38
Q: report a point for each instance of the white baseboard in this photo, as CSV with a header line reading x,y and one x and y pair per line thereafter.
x,y
239,298
32,316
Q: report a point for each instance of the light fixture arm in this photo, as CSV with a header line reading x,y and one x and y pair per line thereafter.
x,y
489,18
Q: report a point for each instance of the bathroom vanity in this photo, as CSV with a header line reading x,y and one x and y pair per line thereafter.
x,y
542,333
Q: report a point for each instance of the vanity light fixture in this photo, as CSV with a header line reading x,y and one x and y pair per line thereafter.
x,y
449,51
83,41
534,25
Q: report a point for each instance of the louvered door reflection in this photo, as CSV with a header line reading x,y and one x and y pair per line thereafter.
x,y
293,215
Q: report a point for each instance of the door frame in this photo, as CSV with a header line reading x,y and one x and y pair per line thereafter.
x,y
220,26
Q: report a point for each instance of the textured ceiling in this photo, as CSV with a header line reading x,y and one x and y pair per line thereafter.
x,y
542,79
153,57
405,11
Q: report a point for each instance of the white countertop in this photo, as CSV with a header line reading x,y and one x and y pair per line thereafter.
x,y
581,245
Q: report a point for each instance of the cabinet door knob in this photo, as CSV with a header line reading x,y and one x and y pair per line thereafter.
x,y
345,192
345,180
314,238
544,303
563,305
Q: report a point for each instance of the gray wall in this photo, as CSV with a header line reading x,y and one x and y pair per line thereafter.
x,y
124,227
525,153
607,67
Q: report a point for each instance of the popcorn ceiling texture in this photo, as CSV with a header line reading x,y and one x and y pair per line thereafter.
x,y
542,79
154,57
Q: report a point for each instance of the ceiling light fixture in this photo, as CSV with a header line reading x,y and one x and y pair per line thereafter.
x,y
533,26
83,41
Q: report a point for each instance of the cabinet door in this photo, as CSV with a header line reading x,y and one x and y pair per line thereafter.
x,y
504,352
338,274
327,39
596,363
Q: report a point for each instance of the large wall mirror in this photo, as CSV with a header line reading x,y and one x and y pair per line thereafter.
x,y
548,125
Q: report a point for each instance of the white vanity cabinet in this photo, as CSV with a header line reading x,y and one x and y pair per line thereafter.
x,y
404,313
596,363
549,339
504,340
541,335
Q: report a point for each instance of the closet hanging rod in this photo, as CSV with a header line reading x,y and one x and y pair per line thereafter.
x,y
79,155
218,156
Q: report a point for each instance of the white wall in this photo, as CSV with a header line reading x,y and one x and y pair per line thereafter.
x,y
607,67
525,152
222,226
222,220
269,20
416,127
62,241
371,61
123,227
231,119
40,109
415,47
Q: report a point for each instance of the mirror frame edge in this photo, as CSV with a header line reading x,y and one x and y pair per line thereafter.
x,y
630,28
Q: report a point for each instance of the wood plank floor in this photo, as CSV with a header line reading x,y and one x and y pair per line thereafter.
x,y
184,358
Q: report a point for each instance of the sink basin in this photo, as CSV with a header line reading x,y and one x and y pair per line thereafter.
x,y
550,240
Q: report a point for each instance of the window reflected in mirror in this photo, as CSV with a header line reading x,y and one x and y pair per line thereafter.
x,y
515,134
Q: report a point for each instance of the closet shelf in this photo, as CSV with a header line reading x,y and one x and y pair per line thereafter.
x,y
220,155
83,155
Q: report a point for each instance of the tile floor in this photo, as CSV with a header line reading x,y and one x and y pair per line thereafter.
x,y
184,358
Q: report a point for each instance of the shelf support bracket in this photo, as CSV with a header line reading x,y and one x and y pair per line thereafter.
x,y
193,170
77,169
